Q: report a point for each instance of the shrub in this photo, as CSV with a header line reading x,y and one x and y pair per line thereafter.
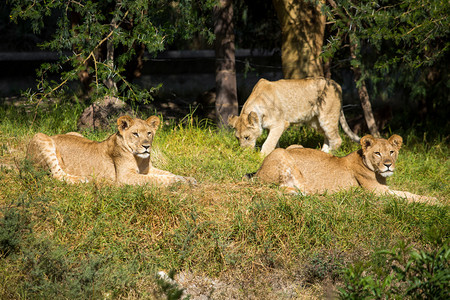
x,y
411,275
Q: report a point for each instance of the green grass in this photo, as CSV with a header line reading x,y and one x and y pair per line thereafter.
x,y
100,241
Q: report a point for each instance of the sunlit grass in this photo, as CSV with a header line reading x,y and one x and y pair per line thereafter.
x,y
101,241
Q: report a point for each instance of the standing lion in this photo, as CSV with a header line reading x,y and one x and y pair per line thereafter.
x,y
275,105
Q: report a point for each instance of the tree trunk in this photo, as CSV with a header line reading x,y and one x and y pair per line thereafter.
x,y
302,28
363,93
109,82
226,91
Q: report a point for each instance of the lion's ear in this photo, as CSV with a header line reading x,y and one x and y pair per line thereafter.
x,y
253,119
396,141
232,119
124,122
366,141
153,121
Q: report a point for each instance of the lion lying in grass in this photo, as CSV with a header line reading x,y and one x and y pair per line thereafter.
x,y
124,157
310,171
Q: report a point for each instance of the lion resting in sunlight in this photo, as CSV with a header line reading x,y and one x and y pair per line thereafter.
x,y
310,171
124,157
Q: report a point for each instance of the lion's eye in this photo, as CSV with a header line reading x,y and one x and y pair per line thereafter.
x,y
392,152
377,154
149,133
246,137
136,134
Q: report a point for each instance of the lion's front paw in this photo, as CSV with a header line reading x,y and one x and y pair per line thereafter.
x,y
75,179
430,200
189,180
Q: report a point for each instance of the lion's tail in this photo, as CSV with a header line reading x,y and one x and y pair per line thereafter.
x,y
347,129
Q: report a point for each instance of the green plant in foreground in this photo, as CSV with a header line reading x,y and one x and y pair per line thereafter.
x,y
11,224
415,275
169,287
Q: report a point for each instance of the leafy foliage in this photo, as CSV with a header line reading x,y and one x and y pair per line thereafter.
x,y
417,29
168,285
401,45
11,225
411,275
85,28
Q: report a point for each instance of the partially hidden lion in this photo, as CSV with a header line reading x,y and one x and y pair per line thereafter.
x,y
123,158
274,105
309,171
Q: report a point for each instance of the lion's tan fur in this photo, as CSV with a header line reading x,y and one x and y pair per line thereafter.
x,y
123,158
311,171
276,105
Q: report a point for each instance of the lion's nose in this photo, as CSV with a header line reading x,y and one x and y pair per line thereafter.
x,y
145,147
388,165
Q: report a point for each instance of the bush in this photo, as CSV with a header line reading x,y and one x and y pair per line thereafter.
x,y
411,275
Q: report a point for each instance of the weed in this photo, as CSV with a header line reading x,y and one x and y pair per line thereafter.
x,y
411,275
323,266
169,287
12,225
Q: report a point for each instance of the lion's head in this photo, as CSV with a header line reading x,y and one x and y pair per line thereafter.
x,y
380,155
248,128
138,134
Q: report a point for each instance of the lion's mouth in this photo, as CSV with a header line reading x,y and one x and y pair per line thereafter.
x,y
143,154
387,173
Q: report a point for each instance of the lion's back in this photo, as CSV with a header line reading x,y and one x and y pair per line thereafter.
x,y
291,90
322,171
318,171
83,157
294,100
